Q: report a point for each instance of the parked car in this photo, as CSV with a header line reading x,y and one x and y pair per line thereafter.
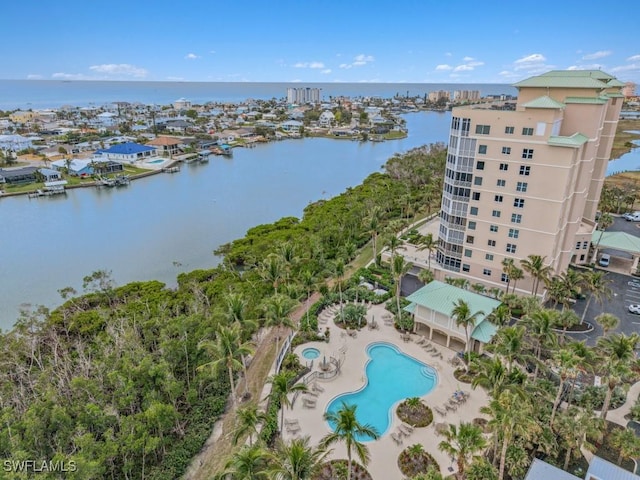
x,y
632,216
605,259
634,308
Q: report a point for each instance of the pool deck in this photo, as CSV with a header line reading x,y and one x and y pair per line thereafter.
x,y
384,452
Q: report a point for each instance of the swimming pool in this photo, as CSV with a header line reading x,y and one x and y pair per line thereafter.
x,y
156,161
391,376
310,353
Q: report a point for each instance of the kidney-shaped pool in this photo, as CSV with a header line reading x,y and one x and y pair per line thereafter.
x,y
391,376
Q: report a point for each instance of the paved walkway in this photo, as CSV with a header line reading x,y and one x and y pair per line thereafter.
x,y
384,452
619,413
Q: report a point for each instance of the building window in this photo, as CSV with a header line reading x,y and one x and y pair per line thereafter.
x,y
473,211
467,252
483,129
465,267
477,181
514,233
501,182
504,278
491,243
518,202
480,165
582,257
495,213
511,248
506,150
504,167
482,149
585,245
493,228
527,153
470,239
516,218
489,256
522,186
578,245
509,130
471,225
486,272
525,170
527,131
475,196
498,198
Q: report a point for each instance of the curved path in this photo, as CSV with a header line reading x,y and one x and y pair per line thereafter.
x,y
617,415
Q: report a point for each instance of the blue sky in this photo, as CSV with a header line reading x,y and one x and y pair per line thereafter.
x,y
315,41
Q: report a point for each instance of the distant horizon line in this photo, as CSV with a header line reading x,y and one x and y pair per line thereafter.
x,y
244,82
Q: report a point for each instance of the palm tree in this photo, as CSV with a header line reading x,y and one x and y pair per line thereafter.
x,y
596,283
296,460
272,269
463,443
508,343
534,266
507,269
604,222
236,305
277,310
492,375
608,321
625,440
347,429
501,315
338,271
281,386
575,426
373,226
618,352
515,275
463,317
481,469
394,243
226,350
540,326
247,420
426,276
248,463
309,283
399,268
566,361
427,242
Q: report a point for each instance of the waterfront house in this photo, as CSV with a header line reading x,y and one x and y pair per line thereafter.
x,y
291,126
127,152
166,146
327,118
432,307
75,167
15,143
50,175
18,176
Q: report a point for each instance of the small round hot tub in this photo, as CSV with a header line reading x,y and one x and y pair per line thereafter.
x,y
311,353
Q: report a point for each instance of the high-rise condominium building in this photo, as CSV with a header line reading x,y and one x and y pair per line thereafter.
x,y
527,182
303,95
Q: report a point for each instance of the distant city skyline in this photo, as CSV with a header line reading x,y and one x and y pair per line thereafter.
x,y
306,42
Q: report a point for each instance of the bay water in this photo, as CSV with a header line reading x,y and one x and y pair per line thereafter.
x,y
165,224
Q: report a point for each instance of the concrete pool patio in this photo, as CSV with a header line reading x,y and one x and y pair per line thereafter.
x,y
351,350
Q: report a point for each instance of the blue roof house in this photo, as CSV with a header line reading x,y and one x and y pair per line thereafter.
x,y
129,152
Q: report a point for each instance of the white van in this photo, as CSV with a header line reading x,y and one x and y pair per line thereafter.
x,y
604,260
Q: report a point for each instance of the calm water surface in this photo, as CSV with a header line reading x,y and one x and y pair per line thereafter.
x,y
162,225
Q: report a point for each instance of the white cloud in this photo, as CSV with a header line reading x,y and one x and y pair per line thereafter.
x,y
626,68
34,76
119,69
596,55
530,61
444,67
326,71
70,76
359,61
309,65
191,56
467,59
633,58
463,68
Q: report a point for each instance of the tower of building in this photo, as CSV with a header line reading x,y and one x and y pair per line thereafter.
x,y
527,182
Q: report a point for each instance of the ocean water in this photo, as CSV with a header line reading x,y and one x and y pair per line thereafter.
x,y
40,94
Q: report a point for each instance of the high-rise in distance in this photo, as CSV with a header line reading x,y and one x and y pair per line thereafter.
x,y
527,181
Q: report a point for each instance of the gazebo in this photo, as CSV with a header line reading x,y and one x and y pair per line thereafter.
x,y
432,305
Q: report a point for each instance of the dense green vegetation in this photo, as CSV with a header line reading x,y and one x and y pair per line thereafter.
x,y
128,381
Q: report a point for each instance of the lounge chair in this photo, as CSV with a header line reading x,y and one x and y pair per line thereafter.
x,y
396,439
404,430
450,408
308,403
421,341
317,388
406,426
292,428
311,392
293,421
440,411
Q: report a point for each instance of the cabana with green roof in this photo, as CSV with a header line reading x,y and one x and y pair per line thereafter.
x,y
432,305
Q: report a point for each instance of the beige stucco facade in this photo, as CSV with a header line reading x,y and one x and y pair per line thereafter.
x,y
527,181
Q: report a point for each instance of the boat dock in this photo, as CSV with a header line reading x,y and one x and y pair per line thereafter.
x,y
203,155
174,169
50,188
116,181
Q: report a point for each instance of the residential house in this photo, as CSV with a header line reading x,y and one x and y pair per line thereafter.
x,y
76,167
291,126
50,175
327,118
127,152
15,143
432,308
18,176
166,146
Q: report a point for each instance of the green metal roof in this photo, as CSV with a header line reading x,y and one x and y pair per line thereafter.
x,y
592,100
617,241
442,297
410,308
570,79
576,140
544,102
